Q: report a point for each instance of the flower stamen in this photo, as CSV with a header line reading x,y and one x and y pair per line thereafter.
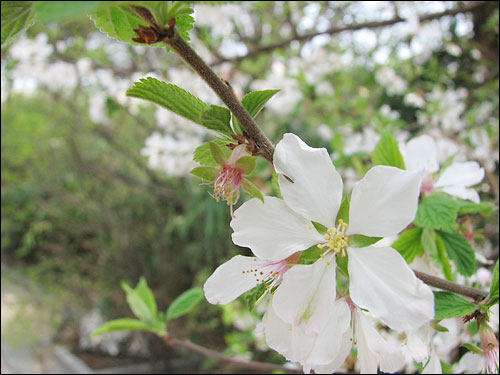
x,y
336,240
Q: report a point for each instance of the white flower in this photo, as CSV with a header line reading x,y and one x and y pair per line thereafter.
x,y
422,152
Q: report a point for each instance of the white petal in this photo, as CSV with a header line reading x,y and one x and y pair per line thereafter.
x,y
461,174
434,365
382,282
271,229
231,279
421,152
341,355
307,294
373,350
384,202
462,192
418,342
316,191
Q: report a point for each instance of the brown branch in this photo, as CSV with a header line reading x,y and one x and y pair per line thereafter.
x,y
223,91
475,294
338,29
259,366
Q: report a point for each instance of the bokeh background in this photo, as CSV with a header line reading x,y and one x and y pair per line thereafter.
x,y
96,186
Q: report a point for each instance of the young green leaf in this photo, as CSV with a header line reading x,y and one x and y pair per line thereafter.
x,y
217,118
460,251
387,152
468,207
437,211
409,244
16,17
218,153
184,303
276,185
203,155
51,11
449,305
139,305
206,173
146,295
169,96
246,164
253,295
123,324
494,284
252,189
429,241
253,103
442,258
473,348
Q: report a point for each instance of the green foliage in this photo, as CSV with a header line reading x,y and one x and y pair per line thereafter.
x,y
184,303
437,211
494,285
253,103
203,154
170,97
252,189
468,207
123,324
16,17
51,11
358,240
217,118
473,348
343,213
460,251
246,164
409,244
206,173
449,305
387,152
141,301
442,258
276,185
218,153
253,295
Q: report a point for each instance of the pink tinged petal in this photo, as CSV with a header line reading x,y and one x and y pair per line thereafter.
x,y
307,294
421,152
271,229
231,279
316,191
373,350
461,174
462,192
382,282
384,202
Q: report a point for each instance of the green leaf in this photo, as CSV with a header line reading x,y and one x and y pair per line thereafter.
x,y
164,11
170,97
119,21
437,211
343,213
206,173
246,164
473,348
387,152
203,155
442,258
494,284
467,207
253,103
51,11
184,303
146,294
253,295
218,153
16,17
449,305
460,251
216,118
276,185
123,324
409,244
439,328
429,241
139,305
358,240
252,189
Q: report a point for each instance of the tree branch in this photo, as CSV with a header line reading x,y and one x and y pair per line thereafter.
x,y
223,91
335,30
259,366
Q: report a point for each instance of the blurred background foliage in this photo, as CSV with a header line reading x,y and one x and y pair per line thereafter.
x,y
85,204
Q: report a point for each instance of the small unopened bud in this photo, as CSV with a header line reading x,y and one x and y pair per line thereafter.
x,y
489,344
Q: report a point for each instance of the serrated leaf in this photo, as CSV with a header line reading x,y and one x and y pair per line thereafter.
x,y
437,211
358,240
449,305
217,118
184,303
494,284
206,173
123,324
51,11
203,155
164,11
16,17
387,152
483,208
246,164
218,153
460,251
253,103
409,244
137,304
428,239
252,189
343,213
442,258
170,97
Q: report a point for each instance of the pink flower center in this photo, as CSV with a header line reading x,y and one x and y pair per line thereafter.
x,y
227,185
427,185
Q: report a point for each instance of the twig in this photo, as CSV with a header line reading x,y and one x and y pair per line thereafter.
x,y
259,366
335,30
223,91
449,286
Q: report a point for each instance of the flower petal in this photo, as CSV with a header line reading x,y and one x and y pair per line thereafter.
x,y
271,229
307,294
316,191
341,355
397,297
231,279
461,174
384,202
462,192
373,350
421,152
434,365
